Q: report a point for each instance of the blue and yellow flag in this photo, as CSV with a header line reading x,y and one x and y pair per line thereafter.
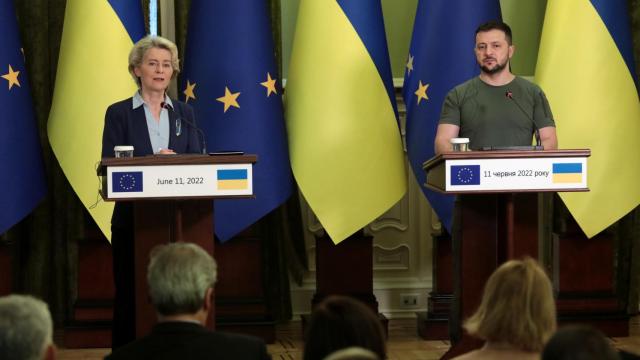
x,y
345,146
22,183
92,74
440,57
585,66
231,80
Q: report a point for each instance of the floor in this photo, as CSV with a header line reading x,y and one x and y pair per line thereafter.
x,y
404,343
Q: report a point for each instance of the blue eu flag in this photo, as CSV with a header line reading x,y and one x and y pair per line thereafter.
x,y
440,57
230,78
127,181
22,183
465,175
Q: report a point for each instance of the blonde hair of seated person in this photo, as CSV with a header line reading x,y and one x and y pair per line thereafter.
x,y
517,307
353,353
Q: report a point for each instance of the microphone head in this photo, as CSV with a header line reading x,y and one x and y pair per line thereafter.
x,y
166,105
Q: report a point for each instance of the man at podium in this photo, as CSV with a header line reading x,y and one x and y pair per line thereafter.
x,y
152,123
497,108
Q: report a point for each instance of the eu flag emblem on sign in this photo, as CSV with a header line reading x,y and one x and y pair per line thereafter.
x,y
465,175
129,181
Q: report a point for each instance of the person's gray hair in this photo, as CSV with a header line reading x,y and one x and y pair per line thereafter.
x,y
179,275
136,55
26,328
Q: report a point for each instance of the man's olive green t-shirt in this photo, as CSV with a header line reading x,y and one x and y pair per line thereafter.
x,y
497,115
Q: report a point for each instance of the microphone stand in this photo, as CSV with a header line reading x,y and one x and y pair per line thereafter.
x,y
536,132
191,125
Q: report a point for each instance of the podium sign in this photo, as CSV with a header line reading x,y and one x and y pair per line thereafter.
x,y
508,171
177,181
177,177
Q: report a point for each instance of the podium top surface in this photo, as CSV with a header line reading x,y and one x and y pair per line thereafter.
x,y
179,159
504,154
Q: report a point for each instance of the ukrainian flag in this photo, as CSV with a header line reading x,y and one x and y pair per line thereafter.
x,y
92,74
232,179
585,65
344,143
566,173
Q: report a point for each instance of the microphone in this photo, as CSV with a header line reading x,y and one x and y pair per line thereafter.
x,y
509,95
169,108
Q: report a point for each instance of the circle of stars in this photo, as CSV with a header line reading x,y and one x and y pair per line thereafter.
x,y
465,175
127,182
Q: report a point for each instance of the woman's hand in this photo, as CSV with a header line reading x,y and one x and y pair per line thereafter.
x,y
166,152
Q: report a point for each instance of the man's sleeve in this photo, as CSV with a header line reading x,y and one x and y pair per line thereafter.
x,y
542,115
450,109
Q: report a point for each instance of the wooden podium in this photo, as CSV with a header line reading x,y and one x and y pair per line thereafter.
x,y
495,215
173,202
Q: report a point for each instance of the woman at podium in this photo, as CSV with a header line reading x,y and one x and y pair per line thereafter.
x,y
152,123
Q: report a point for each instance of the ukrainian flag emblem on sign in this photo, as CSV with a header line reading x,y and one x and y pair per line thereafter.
x,y
232,179
567,173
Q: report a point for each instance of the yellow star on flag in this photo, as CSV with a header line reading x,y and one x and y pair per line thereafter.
x,y
421,93
229,99
270,84
410,64
188,92
12,77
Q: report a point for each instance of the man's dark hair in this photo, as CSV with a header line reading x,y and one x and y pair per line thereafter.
x,y
496,25
579,342
340,322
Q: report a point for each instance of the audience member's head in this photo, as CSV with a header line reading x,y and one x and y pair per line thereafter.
x,y
517,307
579,343
26,329
353,353
181,278
340,322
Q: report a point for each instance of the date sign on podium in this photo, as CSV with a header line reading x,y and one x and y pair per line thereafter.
x,y
166,180
508,171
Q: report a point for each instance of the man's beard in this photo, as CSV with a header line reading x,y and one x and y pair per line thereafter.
x,y
499,67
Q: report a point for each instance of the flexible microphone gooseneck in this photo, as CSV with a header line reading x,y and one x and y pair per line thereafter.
x,y
189,123
509,95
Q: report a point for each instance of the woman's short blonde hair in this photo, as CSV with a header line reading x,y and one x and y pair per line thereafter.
x,y
517,307
143,45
